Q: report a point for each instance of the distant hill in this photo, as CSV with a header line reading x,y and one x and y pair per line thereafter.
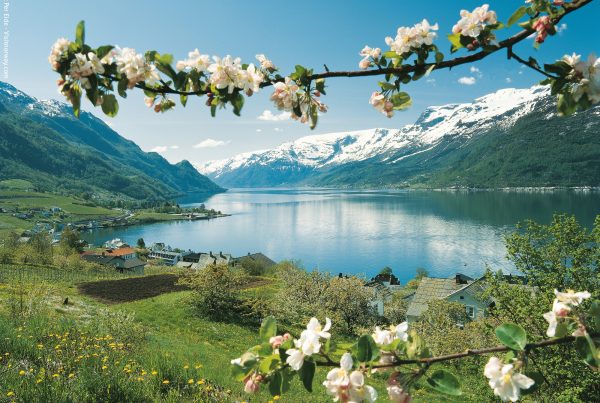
x,y
510,138
42,142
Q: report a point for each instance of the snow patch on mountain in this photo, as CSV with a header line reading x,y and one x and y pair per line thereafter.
x,y
502,108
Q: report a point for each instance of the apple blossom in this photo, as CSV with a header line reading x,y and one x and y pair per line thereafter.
x,y
265,63
97,66
395,391
309,342
285,94
571,297
559,310
59,48
364,63
542,25
249,80
225,72
80,67
252,383
473,23
382,104
504,381
134,67
412,38
387,336
195,61
348,386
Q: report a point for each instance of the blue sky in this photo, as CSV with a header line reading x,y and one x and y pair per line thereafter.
x,y
307,32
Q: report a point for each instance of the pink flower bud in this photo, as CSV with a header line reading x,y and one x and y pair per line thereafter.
x,y
276,341
250,385
364,64
287,336
317,93
157,108
558,2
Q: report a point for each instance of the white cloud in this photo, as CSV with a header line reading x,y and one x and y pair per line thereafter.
x,y
271,117
277,129
475,70
430,81
211,143
258,130
159,149
467,80
561,28
162,149
508,80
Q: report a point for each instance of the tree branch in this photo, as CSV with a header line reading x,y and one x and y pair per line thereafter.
x,y
469,353
505,44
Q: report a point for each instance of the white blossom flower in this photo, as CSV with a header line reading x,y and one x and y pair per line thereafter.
x,y
398,395
265,63
133,65
571,297
309,342
80,67
59,48
367,51
382,104
412,38
559,310
504,381
250,79
225,72
348,386
195,61
295,358
473,23
97,66
285,94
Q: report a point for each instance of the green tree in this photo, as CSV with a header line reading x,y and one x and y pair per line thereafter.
x,y
141,243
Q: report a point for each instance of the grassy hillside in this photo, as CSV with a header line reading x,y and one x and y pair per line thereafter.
x,y
42,142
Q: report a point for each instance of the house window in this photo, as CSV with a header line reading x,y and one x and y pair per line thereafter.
x,y
470,311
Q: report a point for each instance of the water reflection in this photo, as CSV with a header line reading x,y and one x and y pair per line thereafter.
x,y
362,231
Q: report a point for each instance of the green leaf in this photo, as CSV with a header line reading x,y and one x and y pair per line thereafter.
x,y
455,41
280,383
585,350
320,85
444,382
76,102
367,350
103,50
238,103
110,106
80,33
401,101
390,54
561,68
387,86
439,57
416,347
268,328
512,336
183,99
307,374
268,364
122,87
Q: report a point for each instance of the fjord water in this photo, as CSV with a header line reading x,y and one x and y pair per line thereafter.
x,y
362,231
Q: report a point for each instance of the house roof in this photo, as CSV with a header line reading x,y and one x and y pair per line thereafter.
x,y
120,251
131,263
435,288
98,258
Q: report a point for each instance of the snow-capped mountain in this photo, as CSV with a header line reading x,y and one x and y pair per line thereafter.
x,y
416,153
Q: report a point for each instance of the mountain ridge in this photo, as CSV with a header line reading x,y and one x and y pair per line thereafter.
x,y
43,142
426,153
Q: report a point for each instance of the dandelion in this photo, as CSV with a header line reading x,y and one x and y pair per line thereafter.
x,y
71,375
104,367
21,372
190,381
55,375
186,366
166,382
9,394
276,397
200,382
154,373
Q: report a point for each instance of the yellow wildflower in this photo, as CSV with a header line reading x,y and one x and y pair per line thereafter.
x,y
55,375
165,382
190,381
104,367
154,373
21,372
186,366
71,375
9,394
276,397
200,382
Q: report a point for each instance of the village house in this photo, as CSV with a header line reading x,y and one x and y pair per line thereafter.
x,y
198,261
254,258
383,286
459,288
164,253
122,259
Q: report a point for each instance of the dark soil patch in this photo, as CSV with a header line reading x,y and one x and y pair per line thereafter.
x,y
131,289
